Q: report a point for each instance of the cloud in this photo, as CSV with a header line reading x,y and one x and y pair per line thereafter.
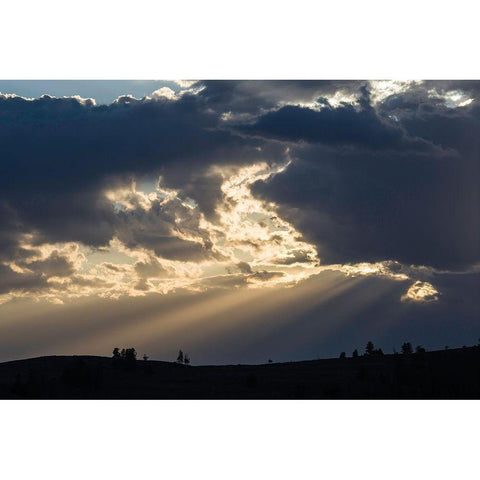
x,y
411,197
152,268
252,97
53,266
164,92
263,178
60,156
13,280
244,267
420,292
264,276
41,270
295,256
344,125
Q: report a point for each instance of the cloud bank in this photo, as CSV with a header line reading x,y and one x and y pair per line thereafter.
x,y
239,185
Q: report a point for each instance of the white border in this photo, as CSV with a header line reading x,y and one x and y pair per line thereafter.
x,y
239,439
249,39
190,39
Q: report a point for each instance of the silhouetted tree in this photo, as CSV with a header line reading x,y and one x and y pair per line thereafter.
x,y
186,359
123,353
355,353
130,355
419,349
343,355
378,351
116,353
369,348
145,357
270,360
180,357
407,348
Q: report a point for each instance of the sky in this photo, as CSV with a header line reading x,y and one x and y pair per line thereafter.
x,y
238,220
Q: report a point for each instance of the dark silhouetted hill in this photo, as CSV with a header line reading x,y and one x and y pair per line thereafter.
x,y
446,374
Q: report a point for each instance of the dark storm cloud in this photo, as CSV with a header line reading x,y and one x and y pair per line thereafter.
x,y
255,96
367,190
55,265
36,273
342,125
335,126
59,155
398,180
11,228
12,280
455,128
369,206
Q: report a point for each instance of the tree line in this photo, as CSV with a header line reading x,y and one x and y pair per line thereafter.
x,y
370,350
128,356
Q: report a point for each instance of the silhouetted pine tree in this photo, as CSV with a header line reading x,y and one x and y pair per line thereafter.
x,y
130,355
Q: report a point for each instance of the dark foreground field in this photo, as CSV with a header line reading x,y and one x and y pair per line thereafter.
x,y
433,375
